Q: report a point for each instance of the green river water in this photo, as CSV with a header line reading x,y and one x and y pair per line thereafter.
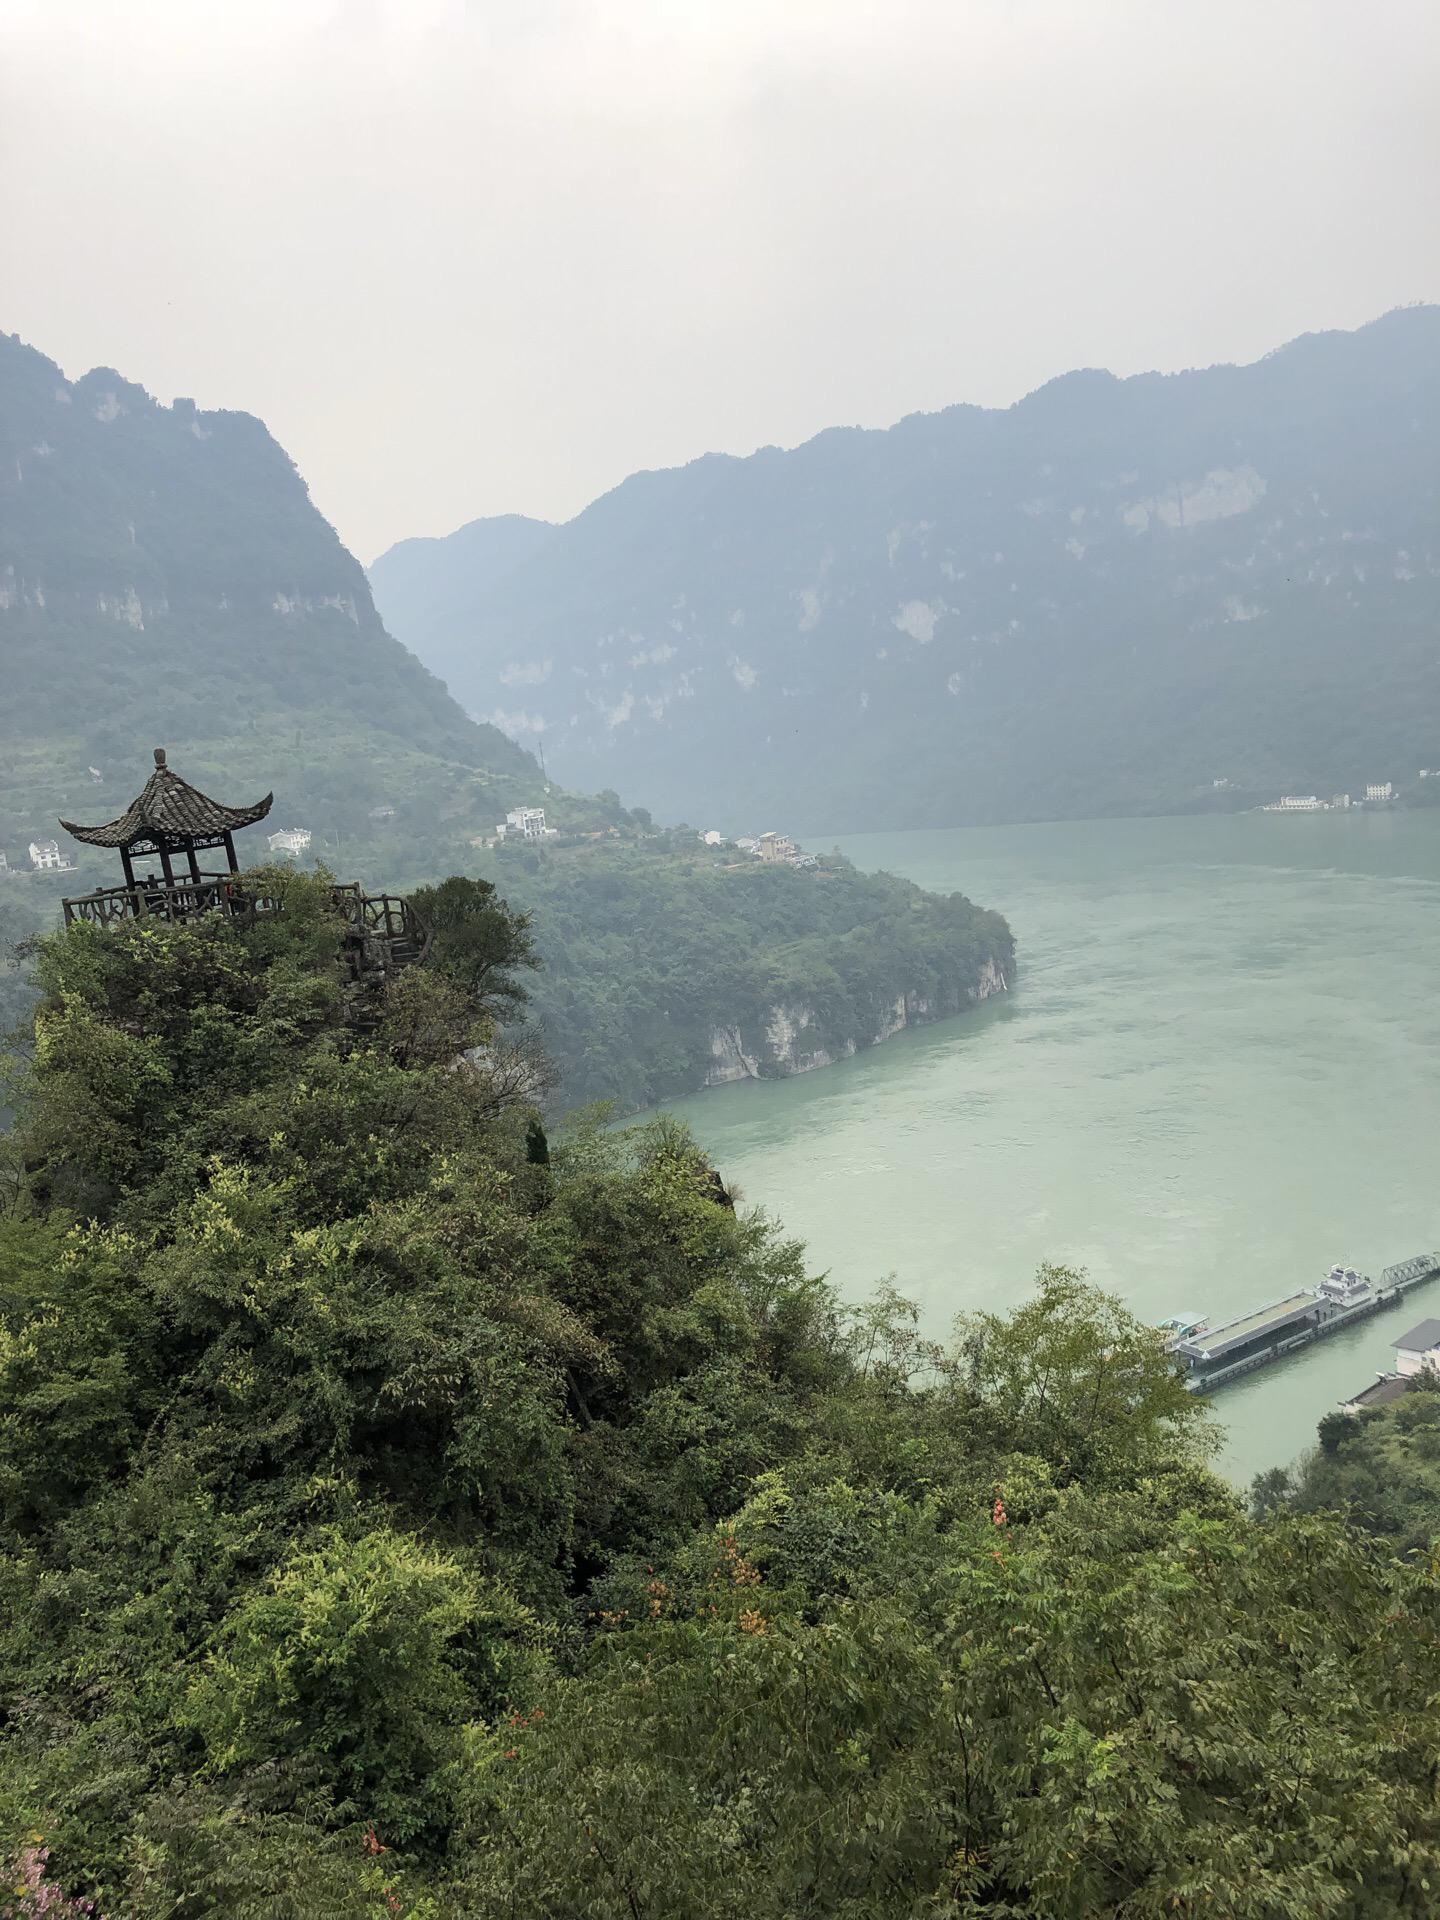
x,y
1218,1073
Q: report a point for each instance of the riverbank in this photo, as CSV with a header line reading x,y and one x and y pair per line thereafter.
x,y
1218,1074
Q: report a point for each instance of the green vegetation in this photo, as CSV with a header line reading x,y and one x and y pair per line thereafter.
x,y
166,580
26,909
1381,1467
652,946
401,1516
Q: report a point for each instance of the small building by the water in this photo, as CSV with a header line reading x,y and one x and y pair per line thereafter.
x,y
1384,1388
1418,1349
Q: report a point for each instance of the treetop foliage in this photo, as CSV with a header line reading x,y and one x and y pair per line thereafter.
x,y
397,1518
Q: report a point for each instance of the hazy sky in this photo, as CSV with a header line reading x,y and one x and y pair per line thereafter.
x,y
469,259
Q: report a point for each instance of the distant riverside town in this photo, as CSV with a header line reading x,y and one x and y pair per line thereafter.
x,y
525,825
1379,793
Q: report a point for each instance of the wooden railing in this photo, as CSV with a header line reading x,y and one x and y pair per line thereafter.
x,y
383,929
170,900
389,922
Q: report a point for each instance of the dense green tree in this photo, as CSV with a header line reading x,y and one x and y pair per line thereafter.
x,y
479,940
1382,1469
396,1520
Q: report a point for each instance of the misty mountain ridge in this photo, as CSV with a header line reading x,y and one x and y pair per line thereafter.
x,y
165,578
1105,598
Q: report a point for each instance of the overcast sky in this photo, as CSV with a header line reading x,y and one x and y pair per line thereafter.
x,y
491,257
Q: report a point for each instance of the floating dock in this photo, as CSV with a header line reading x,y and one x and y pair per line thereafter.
x,y
1210,1357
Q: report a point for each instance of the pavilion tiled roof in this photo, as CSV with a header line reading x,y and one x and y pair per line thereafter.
x,y
169,808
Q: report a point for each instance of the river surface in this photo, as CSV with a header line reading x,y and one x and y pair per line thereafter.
x,y
1218,1073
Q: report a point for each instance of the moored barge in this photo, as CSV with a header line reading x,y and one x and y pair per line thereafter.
x,y
1210,1357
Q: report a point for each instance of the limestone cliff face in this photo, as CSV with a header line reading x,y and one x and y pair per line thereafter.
x,y
789,1041
145,546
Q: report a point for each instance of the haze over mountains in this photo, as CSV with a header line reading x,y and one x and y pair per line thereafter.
x,y
1107,598
165,578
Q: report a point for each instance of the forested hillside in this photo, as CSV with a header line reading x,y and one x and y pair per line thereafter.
x,y
1382,1467
667,966
1107,598
403,1515
165,578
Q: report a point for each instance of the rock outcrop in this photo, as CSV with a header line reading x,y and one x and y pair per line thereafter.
x,y
792,1041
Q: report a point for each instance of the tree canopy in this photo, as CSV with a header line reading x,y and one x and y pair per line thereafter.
x,y
398,1519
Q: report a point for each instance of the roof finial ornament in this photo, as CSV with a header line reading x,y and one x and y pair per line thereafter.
x,y
159,756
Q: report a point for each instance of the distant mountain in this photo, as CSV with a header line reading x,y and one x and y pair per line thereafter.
x,y
445,583
166,580
1104,599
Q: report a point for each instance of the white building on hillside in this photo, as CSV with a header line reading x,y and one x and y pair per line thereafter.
x,y
291,841
713,839
1380,790
46,857
525,823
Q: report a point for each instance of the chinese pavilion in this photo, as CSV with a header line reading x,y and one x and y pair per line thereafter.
x,y
175,823
170,819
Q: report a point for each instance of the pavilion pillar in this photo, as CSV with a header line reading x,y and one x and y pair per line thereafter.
x,y
165,863
194,863
129,867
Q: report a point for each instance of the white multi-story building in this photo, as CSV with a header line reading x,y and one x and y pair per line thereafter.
x,y
526,823
1295,803
46,857
713,839
4,866
291,841
1380,790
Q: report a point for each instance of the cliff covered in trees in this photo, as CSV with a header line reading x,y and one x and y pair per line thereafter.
x,y
166,579
670,967
165,567
404,1515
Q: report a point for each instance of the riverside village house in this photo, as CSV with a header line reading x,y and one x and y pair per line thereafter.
x,y
46,857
